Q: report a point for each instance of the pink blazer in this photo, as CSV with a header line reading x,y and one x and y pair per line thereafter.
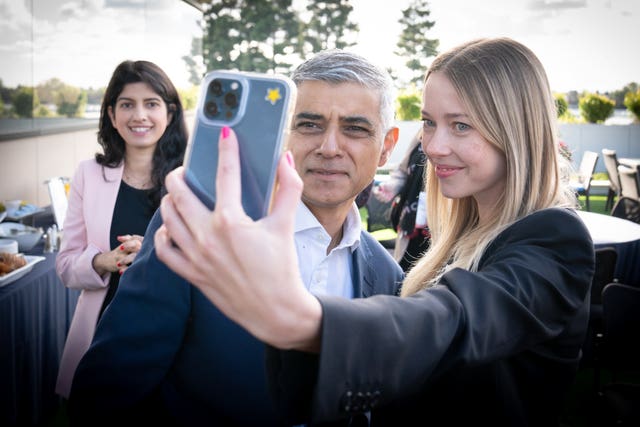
x,y
92,199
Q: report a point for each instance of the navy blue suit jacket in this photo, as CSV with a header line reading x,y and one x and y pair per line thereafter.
x,y
162,351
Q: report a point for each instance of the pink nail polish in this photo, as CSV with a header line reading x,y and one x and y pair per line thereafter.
x,y
289,158
225,132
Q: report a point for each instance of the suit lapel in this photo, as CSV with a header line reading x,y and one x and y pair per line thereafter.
x,y
362,271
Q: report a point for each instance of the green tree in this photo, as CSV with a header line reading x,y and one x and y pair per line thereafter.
x,y
632,102
193,65
24,101
268,35
249,35
329,26
94,96
5,93
595,108
561,104
619,95
42,111
189,97
414,45
71,101
47,91
409,104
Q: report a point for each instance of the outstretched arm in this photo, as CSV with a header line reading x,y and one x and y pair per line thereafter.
x,y
222,253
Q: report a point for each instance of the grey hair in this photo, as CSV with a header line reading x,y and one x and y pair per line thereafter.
x,y
339,66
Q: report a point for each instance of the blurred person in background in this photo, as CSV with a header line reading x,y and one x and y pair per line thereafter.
x,y
143,136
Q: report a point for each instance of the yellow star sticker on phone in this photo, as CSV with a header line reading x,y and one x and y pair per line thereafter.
x,y
273,95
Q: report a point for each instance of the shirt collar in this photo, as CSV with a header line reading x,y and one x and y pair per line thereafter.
x,y
351,228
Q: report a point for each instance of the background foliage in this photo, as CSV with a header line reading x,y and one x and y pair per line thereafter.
x,y
595,108
275,36
414,43
632,102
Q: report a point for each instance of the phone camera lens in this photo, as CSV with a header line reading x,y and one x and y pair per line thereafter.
x,y
216,88
211,108
231,100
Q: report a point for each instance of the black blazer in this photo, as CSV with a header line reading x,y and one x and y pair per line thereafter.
x,y
500,346
163,353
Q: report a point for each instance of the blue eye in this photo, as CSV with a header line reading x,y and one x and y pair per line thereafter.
x,y
461,126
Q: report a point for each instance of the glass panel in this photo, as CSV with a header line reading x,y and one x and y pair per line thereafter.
x,y
57,56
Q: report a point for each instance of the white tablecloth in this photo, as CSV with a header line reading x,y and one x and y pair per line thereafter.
x,y
607,229
621,234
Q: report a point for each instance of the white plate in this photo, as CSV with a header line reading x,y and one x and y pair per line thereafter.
x,y
18,273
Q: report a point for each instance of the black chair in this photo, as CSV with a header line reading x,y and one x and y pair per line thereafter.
x,y
610,159
629,183
627,208
606,258
620,397
581,182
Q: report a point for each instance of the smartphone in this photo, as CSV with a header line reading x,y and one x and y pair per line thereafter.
x,y
258,107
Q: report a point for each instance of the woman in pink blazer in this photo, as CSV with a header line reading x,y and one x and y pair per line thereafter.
x,y
112,197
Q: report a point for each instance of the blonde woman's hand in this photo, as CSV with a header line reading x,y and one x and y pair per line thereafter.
x,y
248,269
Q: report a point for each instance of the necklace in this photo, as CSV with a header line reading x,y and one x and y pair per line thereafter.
x,y
139,183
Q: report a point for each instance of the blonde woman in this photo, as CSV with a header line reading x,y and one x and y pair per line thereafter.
x,y
491,319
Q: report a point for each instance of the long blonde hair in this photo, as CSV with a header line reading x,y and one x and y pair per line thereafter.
x,y
505,91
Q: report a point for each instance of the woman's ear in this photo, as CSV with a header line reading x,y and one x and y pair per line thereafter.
x,y
171,108
112,116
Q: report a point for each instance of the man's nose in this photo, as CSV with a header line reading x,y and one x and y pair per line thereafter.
x,y
331,141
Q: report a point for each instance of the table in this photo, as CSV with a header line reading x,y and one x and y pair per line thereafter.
x,y
35,313
621,234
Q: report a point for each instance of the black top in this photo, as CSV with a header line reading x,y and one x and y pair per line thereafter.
x,y
499,346
131,215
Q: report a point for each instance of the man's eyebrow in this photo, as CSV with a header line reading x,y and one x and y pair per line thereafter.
x,y
361,120
309,116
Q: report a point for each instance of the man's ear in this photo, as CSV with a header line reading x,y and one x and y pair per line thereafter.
x,y
390,140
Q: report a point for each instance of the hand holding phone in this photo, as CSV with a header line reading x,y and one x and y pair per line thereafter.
x,y
258,108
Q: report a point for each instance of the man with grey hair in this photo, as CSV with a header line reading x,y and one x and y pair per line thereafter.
x,y
163,352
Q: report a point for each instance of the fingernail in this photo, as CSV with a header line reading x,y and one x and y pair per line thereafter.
x,y
289,158
122,247
225,132
118,264
120,271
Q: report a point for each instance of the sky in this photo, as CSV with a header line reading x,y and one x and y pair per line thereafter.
x,y
589,45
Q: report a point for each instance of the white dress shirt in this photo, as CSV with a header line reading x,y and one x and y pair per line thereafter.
x,y
323,273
